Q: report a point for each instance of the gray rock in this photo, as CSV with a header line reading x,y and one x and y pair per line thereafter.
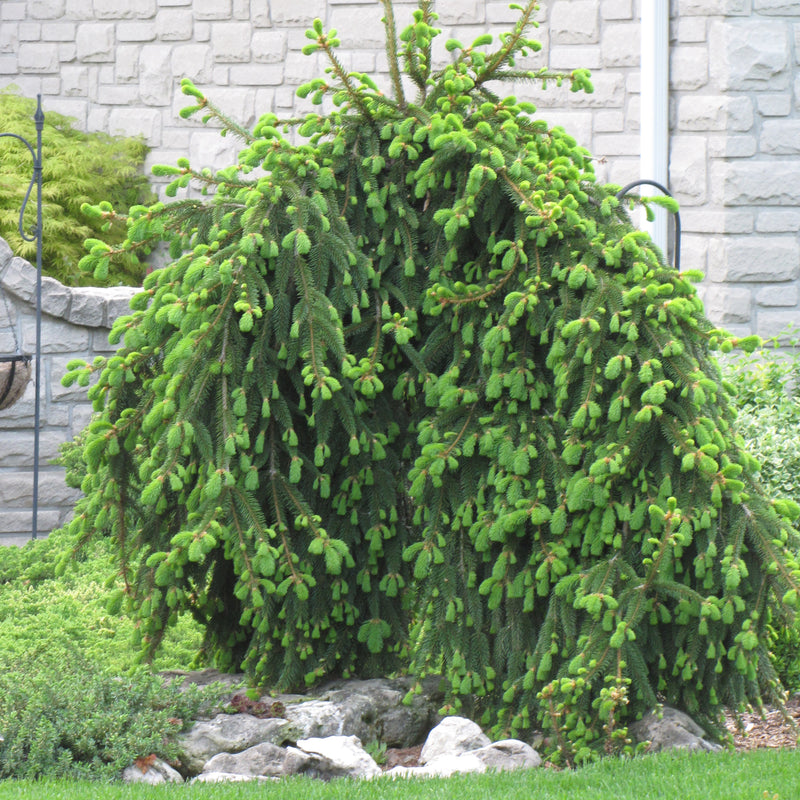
x,y
298,762
508,754
372,710
228,733
262,759
670,730
320,718
453,736
157,773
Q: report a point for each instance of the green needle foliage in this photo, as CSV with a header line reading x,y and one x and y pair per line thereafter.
x,y
421,368
77,168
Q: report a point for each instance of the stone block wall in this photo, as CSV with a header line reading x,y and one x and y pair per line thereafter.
x,y
116,66
75,324
734,100
735,155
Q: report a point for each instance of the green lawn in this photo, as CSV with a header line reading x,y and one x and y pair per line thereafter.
x,y
760,775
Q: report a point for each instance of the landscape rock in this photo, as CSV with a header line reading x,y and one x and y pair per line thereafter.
x,y
507,755
263,759
344,754
447,764
154,774
670,730
228,733
320,718
250,745
372,710
453,736
298,762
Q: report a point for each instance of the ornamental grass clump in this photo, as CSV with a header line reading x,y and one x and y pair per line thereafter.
x,y
417,394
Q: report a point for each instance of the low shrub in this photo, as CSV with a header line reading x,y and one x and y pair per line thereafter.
x,y
42,612
66,718
767,386
77,168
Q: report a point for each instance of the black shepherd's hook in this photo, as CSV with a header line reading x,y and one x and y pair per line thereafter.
x,y
625,189
37,237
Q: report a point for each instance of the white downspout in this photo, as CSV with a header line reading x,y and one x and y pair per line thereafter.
x,y
654,130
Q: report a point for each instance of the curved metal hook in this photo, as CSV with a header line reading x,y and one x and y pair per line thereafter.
x,y
37,170
625,189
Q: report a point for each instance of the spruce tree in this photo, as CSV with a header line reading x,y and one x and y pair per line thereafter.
x,y
422,370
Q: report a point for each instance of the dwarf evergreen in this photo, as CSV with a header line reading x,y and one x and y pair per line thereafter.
x,y
422,369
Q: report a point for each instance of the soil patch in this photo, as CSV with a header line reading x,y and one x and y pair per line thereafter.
x,y
773,729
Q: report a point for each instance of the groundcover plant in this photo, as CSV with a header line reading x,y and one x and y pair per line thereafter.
x,y
414,393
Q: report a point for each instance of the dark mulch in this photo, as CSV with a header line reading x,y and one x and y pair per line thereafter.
x,y
773,729
402,757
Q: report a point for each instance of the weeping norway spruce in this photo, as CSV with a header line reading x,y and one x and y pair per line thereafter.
x,y
415,394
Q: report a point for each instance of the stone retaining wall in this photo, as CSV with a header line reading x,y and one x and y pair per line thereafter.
x,y
75,324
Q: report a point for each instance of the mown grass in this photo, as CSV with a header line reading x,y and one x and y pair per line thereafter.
x,y
758,775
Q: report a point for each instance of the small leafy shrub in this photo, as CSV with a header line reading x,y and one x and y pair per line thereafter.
x,y
77,168
767,386
71,458
784,646
377,750
66,718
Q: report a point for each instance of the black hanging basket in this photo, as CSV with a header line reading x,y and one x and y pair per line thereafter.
x,y
15,372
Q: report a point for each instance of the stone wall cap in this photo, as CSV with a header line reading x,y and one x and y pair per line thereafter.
x,y
90,306
5,255
19,278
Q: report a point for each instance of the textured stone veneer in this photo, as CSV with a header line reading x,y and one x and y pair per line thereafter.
x,y
75,324
734,99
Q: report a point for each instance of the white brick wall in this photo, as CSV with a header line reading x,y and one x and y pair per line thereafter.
x,y
734,99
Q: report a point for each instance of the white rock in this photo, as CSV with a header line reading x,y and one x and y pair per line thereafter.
x,y
447,764
317,719
157,773
453,736
345,753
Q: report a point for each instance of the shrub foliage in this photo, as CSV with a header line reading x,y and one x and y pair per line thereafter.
x,y
768,417
421,368
44,613
77,168
65,718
